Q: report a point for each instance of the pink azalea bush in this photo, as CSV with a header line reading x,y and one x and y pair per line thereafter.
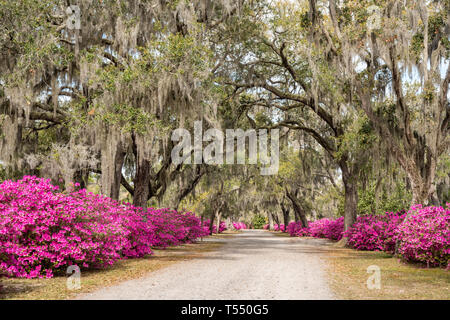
x,y
239,225
276,227
293,228
425,236
322,228
205,226
222,226
375,232
42,231
206,223
171,228
327,228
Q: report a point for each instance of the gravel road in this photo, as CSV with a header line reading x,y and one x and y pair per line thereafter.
x,y
254,264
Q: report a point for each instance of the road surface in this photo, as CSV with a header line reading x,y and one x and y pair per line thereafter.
x,y
254,264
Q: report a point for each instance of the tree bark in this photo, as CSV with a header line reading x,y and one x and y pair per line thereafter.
x,y
118,163
211,222
82,178
142,183
298,210
297,216
421,184
351,197
275,218
219,216
269,216
285,216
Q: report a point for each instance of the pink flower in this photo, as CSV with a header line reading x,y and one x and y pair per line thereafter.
x,y
43,231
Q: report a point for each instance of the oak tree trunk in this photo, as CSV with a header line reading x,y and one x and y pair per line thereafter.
x,y
211,222
142,184
285,216
275,218
219,216
269,216
298,210
350,204
118,163
349,178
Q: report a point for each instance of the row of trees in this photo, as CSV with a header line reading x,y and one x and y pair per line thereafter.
x,y
93,89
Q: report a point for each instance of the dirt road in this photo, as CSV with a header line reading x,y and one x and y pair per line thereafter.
x,y
254,264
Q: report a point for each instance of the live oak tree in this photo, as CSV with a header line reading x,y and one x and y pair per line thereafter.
x,y
106,90
276,60
393,60
322,62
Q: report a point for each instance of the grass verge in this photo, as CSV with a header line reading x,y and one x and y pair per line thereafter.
x,y
348,276
56,288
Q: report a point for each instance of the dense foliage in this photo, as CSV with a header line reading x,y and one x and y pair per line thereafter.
x,y
258,221
322,228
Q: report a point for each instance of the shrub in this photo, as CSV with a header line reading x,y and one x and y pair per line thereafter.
x,y
322,228
258,221
239,225
375,232
326,228
222,227
293,228
425,236
171,228
42,231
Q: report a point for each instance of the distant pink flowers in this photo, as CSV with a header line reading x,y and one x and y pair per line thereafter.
x,y
43,231
323,228
222,226
206,223
424,237
239,225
